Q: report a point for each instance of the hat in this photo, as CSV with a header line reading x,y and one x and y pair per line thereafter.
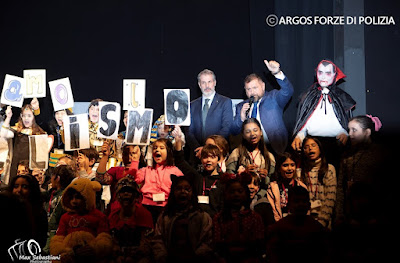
x,y
127,182
86,188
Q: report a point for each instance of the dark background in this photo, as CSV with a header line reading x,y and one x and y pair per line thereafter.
x,y
99,43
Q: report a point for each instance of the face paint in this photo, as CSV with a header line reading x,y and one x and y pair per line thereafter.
x,y
325,75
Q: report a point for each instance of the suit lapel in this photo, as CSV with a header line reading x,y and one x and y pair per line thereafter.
x,y
214,104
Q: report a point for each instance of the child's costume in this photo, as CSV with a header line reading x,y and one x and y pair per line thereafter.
x,y
78,230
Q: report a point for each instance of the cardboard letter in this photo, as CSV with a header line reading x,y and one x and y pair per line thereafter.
x,y
177,107
61,94
110,114
139,126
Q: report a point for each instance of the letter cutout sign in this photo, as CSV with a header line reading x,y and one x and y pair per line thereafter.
x,y
177,107
39,148
110,115
61,94
134,91
13,91
76,132
139,126
35,83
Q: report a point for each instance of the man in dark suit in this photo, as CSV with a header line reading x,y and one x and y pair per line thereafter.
x,y
266,107
210,114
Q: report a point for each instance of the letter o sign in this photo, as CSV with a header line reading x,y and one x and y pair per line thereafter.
x,y
61,94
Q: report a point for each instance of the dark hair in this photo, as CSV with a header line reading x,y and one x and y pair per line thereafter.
x,y
280,159
297,191
170,151
171,207
94,102
35,197
306,165
24,163
252,77
67,197
210,149
365,123
245,145
326,63
226,214
221,142
66,174
90,153
247,177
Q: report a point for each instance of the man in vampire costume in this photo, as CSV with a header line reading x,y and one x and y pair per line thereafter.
x,y
324,111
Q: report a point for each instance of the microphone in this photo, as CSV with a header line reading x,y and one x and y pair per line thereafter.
x,y
251,101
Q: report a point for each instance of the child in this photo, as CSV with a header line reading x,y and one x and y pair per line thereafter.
x,y
83,232
23,167
40,176
223,146
156,179
25,126
114,174
291,237
285,178
160,130
130,223
206,181
320,179
62,176
56,127
93,121
238,231
252,154
85,160
26,187
183,230
363,161
259,197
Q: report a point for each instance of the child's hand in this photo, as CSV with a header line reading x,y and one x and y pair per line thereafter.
x,y
198,151
241,169
35,104
105,148
253,168
263,172
177,133
136,153
9,112
80,162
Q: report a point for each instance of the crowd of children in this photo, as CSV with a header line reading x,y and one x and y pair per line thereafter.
x,y
151,205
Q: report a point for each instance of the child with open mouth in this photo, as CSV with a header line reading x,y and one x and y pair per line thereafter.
x,y
252,154
20,133
320,179
155,180
206,181
285,178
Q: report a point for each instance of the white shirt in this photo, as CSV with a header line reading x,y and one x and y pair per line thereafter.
x,y
203,100
321,123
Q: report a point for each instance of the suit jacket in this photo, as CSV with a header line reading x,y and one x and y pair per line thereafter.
x,y
271,112
218,121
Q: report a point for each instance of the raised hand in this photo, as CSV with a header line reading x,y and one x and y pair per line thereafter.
x,y
273,66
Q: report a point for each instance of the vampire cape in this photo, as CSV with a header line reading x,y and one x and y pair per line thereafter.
x,y
341,101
